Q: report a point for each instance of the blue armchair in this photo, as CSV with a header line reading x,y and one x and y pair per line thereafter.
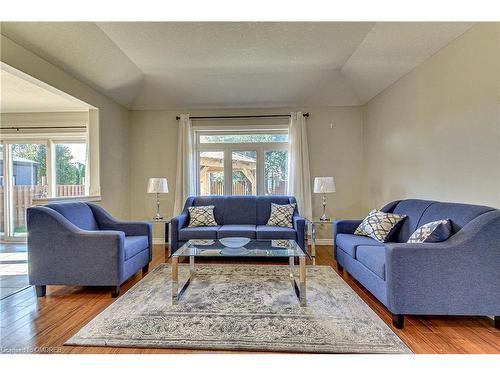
x,y
80,243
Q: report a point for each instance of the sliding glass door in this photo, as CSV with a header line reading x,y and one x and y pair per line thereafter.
x,y
37,169
24,178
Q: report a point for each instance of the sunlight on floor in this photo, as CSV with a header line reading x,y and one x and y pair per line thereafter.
x,y
13,268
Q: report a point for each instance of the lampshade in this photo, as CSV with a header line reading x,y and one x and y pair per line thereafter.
x,y
157,185
324,185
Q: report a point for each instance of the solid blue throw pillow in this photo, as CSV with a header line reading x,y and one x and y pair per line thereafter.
x,y
437,231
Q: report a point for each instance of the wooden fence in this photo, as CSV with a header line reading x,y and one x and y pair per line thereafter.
x,y
245,188
23,196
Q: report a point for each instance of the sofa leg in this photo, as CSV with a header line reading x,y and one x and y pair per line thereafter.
x,y
115,291
339,267
497,322
145,269
41,290
398,321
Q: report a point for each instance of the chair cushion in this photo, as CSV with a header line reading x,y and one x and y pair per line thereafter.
x,y
78,213
349,242
134,245
243,230
373,258
270,232
199,233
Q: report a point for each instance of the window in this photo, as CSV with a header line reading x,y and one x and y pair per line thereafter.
x,y
71,165
38,167
211,174
242,162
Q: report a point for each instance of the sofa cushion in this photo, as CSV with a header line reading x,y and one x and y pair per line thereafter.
x,y
270,232
78,213
413,209
237,230
211,200
199,233
201,216
240,210
460,214
134,245
282,215
264,206
379,225
349,242
373,258
436,231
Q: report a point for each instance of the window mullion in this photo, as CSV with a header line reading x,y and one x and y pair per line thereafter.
x,y
260,171
51,168
228,172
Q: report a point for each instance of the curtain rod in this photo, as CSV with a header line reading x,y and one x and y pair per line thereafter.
x,y
18,128
235,117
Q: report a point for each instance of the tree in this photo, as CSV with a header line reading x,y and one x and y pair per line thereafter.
x,y
67,172
33,152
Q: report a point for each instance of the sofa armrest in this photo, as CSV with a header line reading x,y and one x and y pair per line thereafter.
x,y
61,253
299,224
345,226
108,222
176,224
459,275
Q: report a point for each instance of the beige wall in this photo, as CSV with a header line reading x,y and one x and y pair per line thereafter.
x,y
435,134
113,121
333,152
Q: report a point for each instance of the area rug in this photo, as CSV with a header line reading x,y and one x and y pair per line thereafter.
x,y
242,307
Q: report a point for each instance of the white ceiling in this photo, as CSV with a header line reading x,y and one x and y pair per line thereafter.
x,y
169,65
20,95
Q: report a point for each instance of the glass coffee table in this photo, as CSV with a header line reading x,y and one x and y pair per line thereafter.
x,y
236,247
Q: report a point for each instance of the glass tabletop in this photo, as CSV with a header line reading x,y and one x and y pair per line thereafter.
x,y
240,247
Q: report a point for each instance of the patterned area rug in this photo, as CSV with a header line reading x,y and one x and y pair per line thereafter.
x,y
242,307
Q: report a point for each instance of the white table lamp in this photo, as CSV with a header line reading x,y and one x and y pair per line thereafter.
x,y
324,185
158,185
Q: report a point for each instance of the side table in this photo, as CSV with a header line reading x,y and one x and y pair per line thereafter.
x,y
166,223
312,234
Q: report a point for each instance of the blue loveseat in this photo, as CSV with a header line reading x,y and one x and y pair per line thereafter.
x,y
79,243
237,216
460,276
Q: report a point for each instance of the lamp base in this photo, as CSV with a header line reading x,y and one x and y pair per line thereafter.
x,y
324,218
158,217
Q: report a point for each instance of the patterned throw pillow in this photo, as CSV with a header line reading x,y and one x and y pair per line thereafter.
x,y
379,225
201,216
437,231
281,215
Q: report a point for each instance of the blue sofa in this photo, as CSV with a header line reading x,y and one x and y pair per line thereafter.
x,y
237,216
460,276
80,243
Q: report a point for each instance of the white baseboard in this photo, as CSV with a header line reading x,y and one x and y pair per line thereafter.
x,y
324,241
158,241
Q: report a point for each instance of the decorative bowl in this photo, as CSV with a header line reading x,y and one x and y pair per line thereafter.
x,y
234,242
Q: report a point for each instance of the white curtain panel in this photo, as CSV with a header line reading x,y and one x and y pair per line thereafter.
x,y
185,179
299,176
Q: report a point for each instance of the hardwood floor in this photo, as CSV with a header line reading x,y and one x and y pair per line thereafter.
x,y
29,324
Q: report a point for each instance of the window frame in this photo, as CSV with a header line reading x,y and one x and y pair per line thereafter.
x,y
229,148
49,140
